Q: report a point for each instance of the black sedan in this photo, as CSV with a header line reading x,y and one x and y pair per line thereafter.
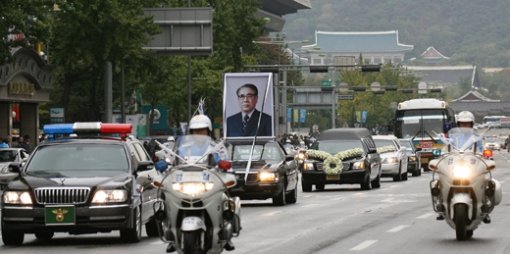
x,y
342,156
272,173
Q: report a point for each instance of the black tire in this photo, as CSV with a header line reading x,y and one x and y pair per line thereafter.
x,y
470,234
377,182
279,199
306,187
460,218
291,197
366,184
404,176
133,235
191,242
151,228
44,236
12,238
320,186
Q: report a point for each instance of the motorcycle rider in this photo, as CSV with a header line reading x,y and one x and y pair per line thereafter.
x,y
201,125
466,119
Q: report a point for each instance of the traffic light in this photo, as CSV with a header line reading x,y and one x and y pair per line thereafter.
x,y
318,68
435,90
407,90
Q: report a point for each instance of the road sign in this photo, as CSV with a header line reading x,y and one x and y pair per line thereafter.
x,y
345,96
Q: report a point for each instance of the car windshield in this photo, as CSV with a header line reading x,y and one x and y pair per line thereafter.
x,y
78,160
267,152
335,146
383,142
7,155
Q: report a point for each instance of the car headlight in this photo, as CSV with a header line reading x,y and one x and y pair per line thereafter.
x,y
390,160
358,165
267,177
17,198
300,158
461,172
412,158
308,166
192,188
109,196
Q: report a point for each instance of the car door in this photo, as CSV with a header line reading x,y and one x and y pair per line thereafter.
x,y
145,179
373,157
291,168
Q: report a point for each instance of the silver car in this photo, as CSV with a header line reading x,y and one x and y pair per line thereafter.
x,y
8,155
413,157
393,157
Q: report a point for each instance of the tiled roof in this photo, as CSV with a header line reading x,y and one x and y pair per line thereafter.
x,y
358,42
473,96
432,53
446,75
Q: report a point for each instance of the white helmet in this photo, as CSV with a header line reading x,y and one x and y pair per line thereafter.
x,y
200,122
466,116
170,139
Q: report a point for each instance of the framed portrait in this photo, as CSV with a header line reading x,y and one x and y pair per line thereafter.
x,y
248,105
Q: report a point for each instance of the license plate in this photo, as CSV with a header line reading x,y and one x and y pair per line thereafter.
x,y
332,177
60,215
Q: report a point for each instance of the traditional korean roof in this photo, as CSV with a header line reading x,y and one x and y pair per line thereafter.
x,y
283,7
358,42
474,96
446,75
432,53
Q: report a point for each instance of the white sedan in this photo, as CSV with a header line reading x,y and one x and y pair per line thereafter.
x,y
393,157
8,155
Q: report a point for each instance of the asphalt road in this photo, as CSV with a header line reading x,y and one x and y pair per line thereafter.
x,y
397,218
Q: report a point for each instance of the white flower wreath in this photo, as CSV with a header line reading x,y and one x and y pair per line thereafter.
x,y
332,165
385,149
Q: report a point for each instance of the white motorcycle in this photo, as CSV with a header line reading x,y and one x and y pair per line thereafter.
x,y
198,216
463,190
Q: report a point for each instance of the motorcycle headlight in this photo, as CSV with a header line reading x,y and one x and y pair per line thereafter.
x,y
300,157
192,188
461,172
109,196
267,177
17,198
358,165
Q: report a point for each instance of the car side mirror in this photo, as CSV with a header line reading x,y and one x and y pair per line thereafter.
x,y
15,167
418,149
145,166
372,150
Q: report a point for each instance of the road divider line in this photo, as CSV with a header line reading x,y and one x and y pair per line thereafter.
x,y
424,216
157,242
271,213
397,228
363,245
336,199
309,205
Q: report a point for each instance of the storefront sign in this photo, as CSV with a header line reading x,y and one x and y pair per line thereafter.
x,y
21,88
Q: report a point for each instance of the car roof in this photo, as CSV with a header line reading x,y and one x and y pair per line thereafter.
x,y
385,137
249,141
344,133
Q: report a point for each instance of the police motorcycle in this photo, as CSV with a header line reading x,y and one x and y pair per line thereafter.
x,y
197,214
463,190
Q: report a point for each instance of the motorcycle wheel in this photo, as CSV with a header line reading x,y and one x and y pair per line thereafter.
x,y
460,219
191,242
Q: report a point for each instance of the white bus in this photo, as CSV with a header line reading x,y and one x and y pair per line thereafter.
x,y
497,121
421,120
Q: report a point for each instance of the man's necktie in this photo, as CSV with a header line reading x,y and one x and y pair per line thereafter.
x,y
245,121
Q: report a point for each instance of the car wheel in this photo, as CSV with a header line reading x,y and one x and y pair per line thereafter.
x,y
366,185
291,197
319,187
306,187
133,235
279,199
12,238
44,235
416,171
404,176
398,176
151,228
377,182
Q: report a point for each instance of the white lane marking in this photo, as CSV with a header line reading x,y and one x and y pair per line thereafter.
x,y
309,205
397,228
271,213
364,245
307,196
157,242
424,216
336,199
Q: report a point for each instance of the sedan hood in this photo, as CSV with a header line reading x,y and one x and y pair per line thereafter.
x,y
240,166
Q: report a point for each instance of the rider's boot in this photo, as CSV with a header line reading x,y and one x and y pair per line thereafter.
x,y
487,219
170,248
230,246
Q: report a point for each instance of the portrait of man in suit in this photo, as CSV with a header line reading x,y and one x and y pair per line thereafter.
x,y
246,121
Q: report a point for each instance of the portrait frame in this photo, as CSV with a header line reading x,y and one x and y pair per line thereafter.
x,y
231,105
